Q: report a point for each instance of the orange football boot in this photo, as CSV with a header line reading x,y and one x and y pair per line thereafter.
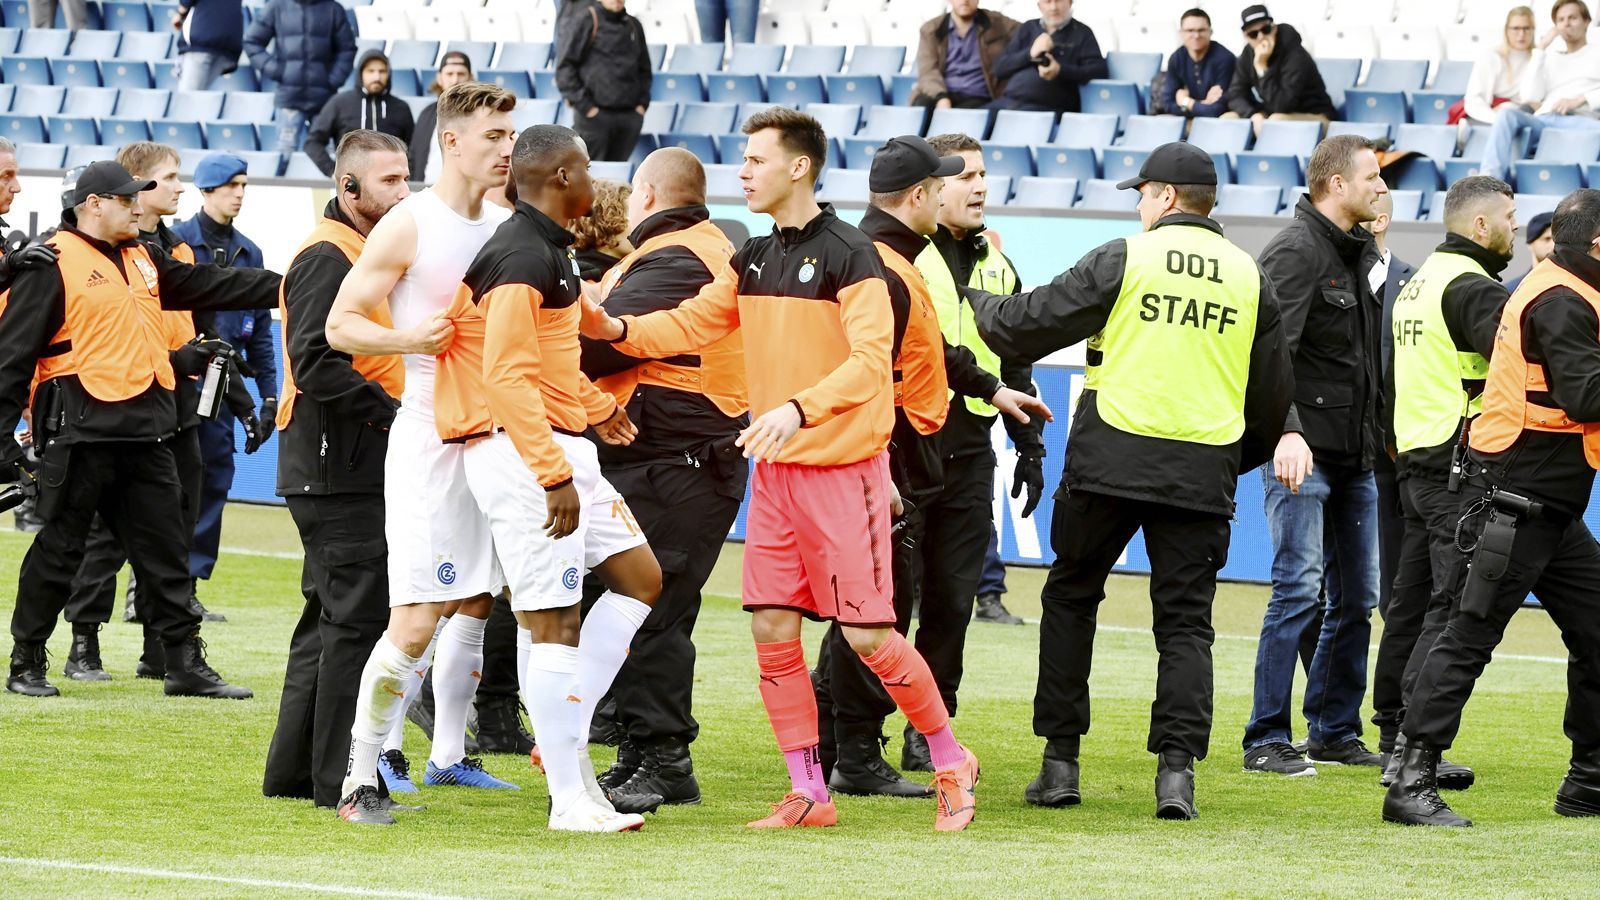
x,y
800,811
953,789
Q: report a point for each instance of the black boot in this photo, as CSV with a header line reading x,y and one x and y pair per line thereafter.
x,y
189,675
1413,798
914,753
604,729
130,606
1452,776
198,608
1579,794
628,761
1175,786
1057,784
500,728
29,664
665,776
83,660
153,661
862,771
990,609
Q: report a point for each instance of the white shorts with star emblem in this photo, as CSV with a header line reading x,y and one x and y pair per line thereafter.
x,y
544,572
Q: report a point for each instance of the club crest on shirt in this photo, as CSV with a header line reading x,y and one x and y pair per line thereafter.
x,y
147,271
808,270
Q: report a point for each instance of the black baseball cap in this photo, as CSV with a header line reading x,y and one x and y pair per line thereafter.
x,y
903,161
1174,163
1537,226
1250,15
104,177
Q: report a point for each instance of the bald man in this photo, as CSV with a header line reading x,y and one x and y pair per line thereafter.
x,y
683,477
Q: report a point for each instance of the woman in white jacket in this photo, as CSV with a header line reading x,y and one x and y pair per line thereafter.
x,y
1495,77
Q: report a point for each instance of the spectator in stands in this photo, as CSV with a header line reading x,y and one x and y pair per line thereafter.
x,y
42,13
956,55
1560,88
454,68
1541,243
1046,61
1275,76
1198,73
725,20
312,48
367,105
210,38
600,239
603,70
1496,77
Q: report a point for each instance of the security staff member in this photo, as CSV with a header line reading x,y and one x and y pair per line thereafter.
x,y
1528,475
104,412
906,179
14,257
1192,390
1443,328
333,425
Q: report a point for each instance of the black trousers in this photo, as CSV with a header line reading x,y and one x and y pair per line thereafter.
x,y
134,487
611,134
94,588
1418,607
1559,562
346,586
1187,549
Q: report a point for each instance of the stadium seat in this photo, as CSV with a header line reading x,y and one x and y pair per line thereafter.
x,y
480,52
1371,130
795,90
16,13
544,84
646,145
701,145
40,156
45,42
618,171
1150,132
6,93
1438,142
730,148
1432,107
755,59
1457,169
902,88
523,55
91,101
1012,126
866,90
145,45
124,130
8,41
1349,38
178,132
1560,145
731,87
25,70
1007,160
22,129
529,112
1268,169
1215,136
74,71
122,73
815,59
262,163
693,58
1414,173
1288,138
514,80
38,100
971,122
1046,193
143,104
1530,205
1364,105
1338,75
249,107
200,106
876,60
884,122
1139,68
88,44
676,88
843,186
1407,205
1396,75
1114,98
783,26
244,79
413,54
1591,173
126,15
1532,177
1117,163
230,135
658,56
1076,163
301,167
1247,200
1103,194
493,24
998,188
1436,208
1085,130
839,120
745,111
722,180
858,151
706,118
71,130
657,117
1451,76
1477,141
84,154
165,75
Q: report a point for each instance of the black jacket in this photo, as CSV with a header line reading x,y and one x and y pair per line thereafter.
x,y
424,141
353,109
1331,321
336,441
1075,50
313,44
1103,459
1291,83
36,311
602,60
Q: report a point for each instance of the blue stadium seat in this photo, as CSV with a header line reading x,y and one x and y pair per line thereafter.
x,y
1288,138
1371,130
240,79
1150,132
815,59
300,166
165,75
971,122
1085,130
6,93
1438,142
876,60
843,186
25,70
1110,98
1477,141
658,55
126,73
1139,68
96,44
1103,194
74,71
480,52
248,107
91,101
1451,76
1013,126
262,163
901,89
22,129
858,152
1338,75
1532,177
795,90
38,100
84,154
1591,173
1560,145
16,13
839,120
1407,205
46,42
126,15
722,180
230,135
619,171
755,59
200,106
544,84
1247,200
1414,173
178,132
124,130
674,87
8,41
531,112
706,118
646,145
745,112
997,188
733,87
413,54
1267,168
1007,160
1215,136
694,58
148,46
523,55
701,145
730,148
71,130
1436,208
1432,107
884,122
1046,193
40,156
365,44
1396,75
1457,169
143,104
866,90
1530,205
517,81
1117,163
1365,105
657,117
91,16
1077,163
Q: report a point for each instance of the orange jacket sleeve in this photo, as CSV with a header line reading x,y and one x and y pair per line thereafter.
x,y
598,405
868,321
511,380
695,324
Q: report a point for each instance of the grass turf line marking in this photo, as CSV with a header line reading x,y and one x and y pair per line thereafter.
x,y
223,879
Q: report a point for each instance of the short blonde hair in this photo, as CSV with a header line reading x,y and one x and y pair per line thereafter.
x,y
460,101
607,221
140,158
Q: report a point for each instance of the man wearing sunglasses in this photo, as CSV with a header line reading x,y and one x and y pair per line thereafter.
x,y
1275,78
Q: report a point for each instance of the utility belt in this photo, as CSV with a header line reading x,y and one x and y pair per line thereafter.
x,y
720,458
1502,512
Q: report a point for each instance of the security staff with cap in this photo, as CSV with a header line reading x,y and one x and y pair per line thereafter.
x,y
1525,483
1192,390
89,334
15,256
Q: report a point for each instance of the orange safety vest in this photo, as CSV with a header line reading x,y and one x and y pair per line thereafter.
x,y
180,322
1507,411
921,387
115,335
720,375
388,371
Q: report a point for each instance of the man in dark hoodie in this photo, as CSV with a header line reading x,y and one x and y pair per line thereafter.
x,y
1275,78
603,70
367,105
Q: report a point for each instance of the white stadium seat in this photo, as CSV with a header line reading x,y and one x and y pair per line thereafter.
x,y
1349,41
439,23
539,24
659,28
383,23
784,27
499,25
844,28
1146,35
1468,42
1410,42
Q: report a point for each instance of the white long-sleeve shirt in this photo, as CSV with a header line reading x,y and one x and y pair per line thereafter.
x,y
1556,74
1492,77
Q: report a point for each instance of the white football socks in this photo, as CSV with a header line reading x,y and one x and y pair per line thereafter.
x,y
378,704
524,645
550,694
457,668
602,649
397,734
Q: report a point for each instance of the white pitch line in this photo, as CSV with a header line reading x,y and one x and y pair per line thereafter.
x,y
223,879
270,554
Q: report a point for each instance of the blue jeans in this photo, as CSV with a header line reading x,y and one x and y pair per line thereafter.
x,y
292,127
1326,536
737,16
1510,119
197,70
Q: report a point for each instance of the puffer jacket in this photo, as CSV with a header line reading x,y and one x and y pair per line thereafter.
x,y
313,50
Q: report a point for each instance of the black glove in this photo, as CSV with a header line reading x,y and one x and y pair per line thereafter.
x,y
1030,474
33,255
253,435
269,417
13,461
193,357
